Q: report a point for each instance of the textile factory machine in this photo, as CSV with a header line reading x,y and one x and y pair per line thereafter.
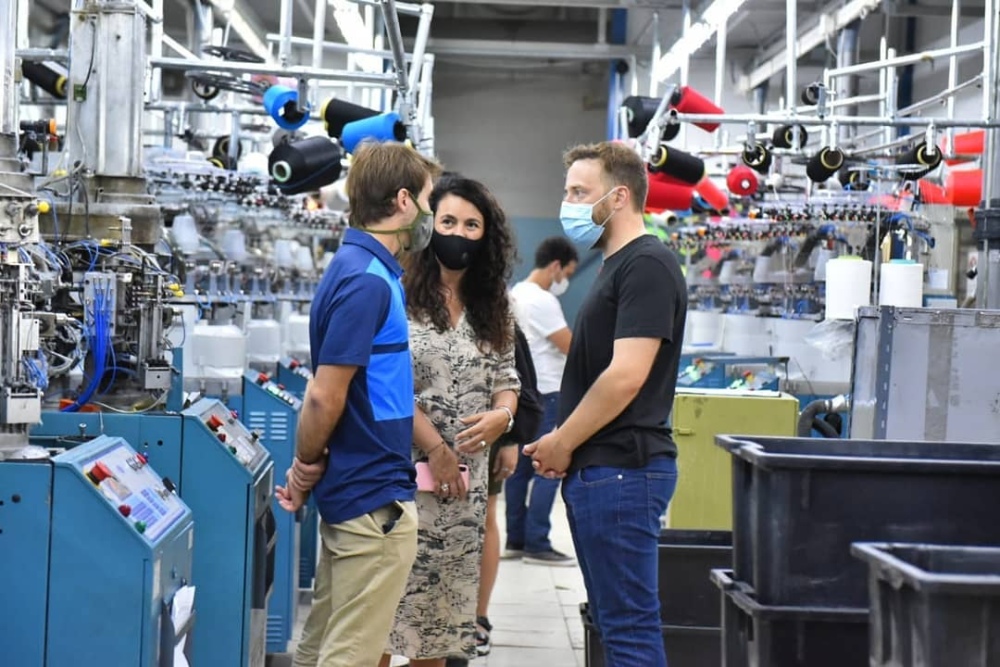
x,y
779,260
151,294
788,241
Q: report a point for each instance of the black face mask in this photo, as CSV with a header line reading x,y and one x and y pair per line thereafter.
x,y
454,251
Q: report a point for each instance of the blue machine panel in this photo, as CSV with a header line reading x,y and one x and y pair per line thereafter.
x,y
294,376
227,478
273,412
731,372
118,548
156,436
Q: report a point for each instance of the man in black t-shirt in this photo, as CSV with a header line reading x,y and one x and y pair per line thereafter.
x,y
613,445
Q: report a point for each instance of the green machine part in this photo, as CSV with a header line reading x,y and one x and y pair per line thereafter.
x,y
704,496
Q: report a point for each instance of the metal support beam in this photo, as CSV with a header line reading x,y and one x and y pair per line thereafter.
x,y
791,57
807,40
814,121
335,47
273,70
495,48
8,89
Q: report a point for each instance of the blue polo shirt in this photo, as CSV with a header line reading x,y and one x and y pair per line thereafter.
x,y
358,318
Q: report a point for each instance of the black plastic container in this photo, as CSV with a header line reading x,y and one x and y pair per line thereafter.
x,y
799,503
686,646
933,606
756,635
686,559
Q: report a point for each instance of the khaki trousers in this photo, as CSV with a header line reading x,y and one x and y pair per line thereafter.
x,y
360,578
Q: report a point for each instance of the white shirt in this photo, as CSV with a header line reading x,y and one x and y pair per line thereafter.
x,y
539,315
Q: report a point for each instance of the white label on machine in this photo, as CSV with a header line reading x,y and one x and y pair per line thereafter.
x,y
157,569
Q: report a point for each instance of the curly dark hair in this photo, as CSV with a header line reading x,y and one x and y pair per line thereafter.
x,y
483,289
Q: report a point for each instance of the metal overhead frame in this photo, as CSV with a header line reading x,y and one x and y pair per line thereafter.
x,y
807,40
495,48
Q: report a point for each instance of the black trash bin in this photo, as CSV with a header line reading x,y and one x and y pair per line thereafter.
x,y
799,503
757,635
933,606
686,646
685,560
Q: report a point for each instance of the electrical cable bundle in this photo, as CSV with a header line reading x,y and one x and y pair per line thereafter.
x,y
98,334
306,165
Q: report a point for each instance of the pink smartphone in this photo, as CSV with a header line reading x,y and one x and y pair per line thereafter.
x,y
426,482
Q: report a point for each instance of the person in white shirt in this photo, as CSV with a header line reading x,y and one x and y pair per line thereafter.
x,y
540,316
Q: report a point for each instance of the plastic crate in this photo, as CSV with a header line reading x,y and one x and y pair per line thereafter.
x,y
933,606
686,646
799,503
686,558
756,635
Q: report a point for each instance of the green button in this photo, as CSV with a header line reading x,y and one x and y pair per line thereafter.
x,y
140,526
232,449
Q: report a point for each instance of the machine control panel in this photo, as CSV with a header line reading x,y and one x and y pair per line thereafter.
x,y
232,434
299,369
141,496
278,391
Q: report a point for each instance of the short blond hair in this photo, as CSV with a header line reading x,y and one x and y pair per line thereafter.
x,y
620,166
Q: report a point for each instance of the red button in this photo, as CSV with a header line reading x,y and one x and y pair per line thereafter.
x,y
214,422
281,387
234,414
222,437
293,364
262,378
141,458
100,472
125,510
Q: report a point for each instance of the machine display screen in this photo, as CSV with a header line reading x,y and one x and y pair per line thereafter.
x,y
135,490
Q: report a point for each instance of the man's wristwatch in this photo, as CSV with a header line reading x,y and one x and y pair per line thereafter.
x,y
510,418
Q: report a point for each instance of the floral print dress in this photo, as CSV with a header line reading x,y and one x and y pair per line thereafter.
x,y
453,379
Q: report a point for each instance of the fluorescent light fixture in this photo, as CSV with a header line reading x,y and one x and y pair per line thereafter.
x,y
356,33
696,36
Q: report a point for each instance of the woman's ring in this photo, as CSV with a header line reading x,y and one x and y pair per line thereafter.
x,y
445,487
482,444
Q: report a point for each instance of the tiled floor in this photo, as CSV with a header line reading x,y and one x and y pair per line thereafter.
x,y
535,610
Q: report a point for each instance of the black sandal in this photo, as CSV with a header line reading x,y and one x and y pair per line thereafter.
x,y
483,644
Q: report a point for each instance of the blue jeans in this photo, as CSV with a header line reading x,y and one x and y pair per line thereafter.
x,y
528,522
614,515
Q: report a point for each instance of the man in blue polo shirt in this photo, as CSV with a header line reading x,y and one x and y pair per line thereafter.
x,y
356,427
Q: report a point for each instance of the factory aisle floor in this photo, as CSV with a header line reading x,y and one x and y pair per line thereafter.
x,y
535,609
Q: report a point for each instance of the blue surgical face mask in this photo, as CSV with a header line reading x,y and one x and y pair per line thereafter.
x,y
578,222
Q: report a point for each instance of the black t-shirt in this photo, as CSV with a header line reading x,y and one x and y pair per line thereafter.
x,y
639,293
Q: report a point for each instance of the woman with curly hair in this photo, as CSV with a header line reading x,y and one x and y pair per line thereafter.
x,y
466,388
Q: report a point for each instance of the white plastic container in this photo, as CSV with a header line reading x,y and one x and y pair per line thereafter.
x,y
263,341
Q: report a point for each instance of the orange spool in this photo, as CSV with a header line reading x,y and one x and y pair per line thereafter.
x,y
666,194
965,187
711,193
932,193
